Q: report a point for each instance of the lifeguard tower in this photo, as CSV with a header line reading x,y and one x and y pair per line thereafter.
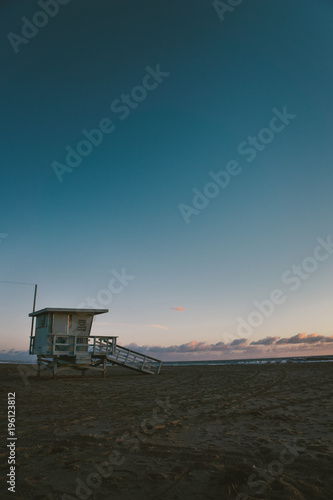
x,y
62,340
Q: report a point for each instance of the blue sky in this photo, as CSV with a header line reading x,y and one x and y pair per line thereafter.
x,y
119,208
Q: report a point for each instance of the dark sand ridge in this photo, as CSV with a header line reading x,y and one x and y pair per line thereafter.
x,y
219,432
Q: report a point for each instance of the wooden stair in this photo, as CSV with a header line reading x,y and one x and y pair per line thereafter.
x,y
134,360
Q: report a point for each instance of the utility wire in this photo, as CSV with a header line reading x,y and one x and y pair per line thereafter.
x,y
17,283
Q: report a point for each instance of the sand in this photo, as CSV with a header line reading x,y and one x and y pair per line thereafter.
x,y
208,432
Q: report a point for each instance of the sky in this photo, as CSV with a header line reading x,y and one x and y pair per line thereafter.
x,y
171,162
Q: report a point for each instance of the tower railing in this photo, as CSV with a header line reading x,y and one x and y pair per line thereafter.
x,y
74,345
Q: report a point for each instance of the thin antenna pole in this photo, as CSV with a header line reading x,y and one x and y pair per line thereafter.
x,y
35,295
33,310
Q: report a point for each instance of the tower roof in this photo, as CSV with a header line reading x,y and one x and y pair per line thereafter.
x,y
65,310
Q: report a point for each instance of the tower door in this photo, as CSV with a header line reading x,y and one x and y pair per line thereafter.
x,y
60,324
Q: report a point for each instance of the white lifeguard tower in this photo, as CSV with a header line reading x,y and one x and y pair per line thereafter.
x,y
62,340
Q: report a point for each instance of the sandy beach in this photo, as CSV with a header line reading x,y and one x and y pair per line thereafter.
x,y
208,432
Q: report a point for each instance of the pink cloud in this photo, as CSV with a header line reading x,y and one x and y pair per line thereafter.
x,y
302,338
177,308
267,347
138,325
265,341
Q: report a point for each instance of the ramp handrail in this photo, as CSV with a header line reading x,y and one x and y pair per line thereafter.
x,y
135,360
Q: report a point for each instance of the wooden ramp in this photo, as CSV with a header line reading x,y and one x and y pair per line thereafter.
x,y
134,360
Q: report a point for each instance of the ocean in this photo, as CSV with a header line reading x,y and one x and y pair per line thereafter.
x,y
214,362
258,361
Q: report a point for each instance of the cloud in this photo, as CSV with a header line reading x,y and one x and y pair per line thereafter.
x,y
264,347
161,327
220,346
177,308
190,347
302,338
265,341
238,343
